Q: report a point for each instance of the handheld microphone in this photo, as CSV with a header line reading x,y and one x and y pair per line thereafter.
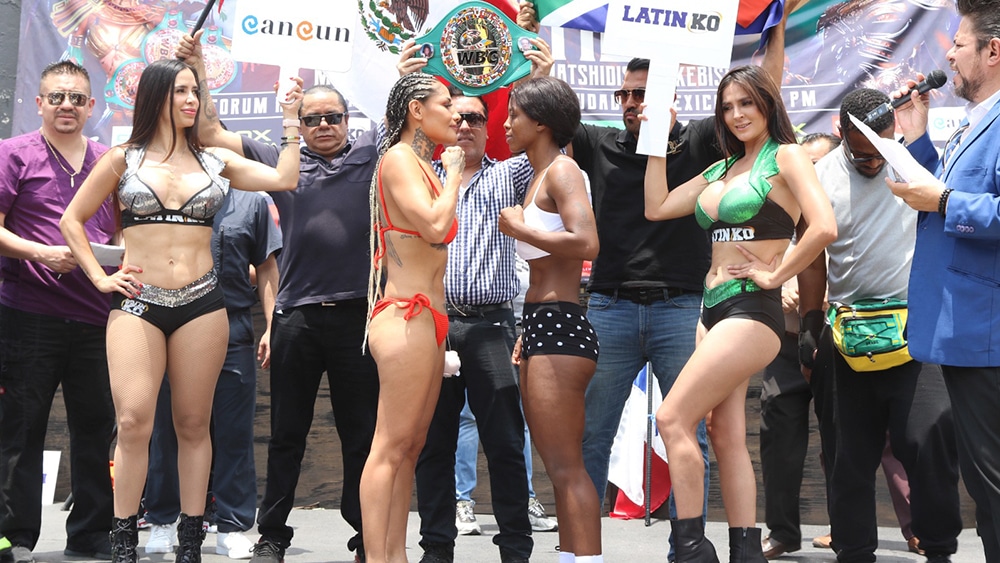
x,y
935,79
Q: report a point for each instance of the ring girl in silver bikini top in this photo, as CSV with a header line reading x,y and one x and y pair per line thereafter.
x,y
143,206
745,212
537,218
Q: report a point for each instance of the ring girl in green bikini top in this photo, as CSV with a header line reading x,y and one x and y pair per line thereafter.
x,y
745,212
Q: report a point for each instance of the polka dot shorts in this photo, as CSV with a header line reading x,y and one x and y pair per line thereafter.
x,y
557,327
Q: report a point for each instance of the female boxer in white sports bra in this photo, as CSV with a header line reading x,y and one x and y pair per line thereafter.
x,y
558,349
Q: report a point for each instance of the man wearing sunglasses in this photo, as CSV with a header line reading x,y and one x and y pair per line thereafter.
x,y
52,323
321,309
871,259
480,283
646,284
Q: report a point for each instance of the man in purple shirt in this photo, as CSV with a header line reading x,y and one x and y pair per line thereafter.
x,y
52,323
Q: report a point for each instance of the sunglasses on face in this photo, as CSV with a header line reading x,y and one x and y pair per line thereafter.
x,y
859,160
314,120
637,94
76,98
475,120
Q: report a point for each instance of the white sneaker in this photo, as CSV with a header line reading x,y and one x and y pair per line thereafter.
x,y
465,519
162,538
539,521
235,545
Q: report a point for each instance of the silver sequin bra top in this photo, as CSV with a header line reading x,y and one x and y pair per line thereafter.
x,y
143,207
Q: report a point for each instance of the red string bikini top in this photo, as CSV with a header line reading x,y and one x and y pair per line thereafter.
x,y
380,252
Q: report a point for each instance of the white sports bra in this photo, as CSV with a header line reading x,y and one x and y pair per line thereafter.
x,y
538,218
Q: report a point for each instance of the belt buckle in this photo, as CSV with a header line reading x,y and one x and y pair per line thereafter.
x,y
328,304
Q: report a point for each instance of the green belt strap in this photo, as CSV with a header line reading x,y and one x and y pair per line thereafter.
x,y
715,295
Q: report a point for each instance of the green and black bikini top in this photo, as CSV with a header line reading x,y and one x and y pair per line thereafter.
x,y
745,212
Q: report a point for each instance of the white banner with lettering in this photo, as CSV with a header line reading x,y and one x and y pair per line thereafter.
x,y
697,32
296,33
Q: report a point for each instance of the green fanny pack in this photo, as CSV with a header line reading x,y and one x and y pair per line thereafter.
x,y
870,334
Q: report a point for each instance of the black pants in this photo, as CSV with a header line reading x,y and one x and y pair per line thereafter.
x,y
975,396
40,353
484,345
305,342
911,402
784,440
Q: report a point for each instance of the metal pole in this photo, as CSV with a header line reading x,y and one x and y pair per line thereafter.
x,y
647,485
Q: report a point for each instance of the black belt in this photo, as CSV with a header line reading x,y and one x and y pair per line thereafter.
x,y
475,310
650,295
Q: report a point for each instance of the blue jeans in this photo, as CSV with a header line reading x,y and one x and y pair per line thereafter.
x,y
39,353
467,453
662,333
234,477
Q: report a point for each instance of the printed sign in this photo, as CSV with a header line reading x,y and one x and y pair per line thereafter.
x,y
699,32
314,35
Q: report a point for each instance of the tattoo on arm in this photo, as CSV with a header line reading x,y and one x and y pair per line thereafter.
x,y
584,216
422,145
207,105
439,246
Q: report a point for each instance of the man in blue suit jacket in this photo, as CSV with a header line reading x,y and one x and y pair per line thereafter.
x,y
955,279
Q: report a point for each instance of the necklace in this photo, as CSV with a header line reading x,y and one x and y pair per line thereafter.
x,y
72,175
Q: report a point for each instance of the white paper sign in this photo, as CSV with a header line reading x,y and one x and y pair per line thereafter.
x,y
698,32
108,254
661,83
299,33
902,163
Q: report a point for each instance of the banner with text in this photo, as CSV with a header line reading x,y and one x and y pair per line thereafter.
x,y
833,48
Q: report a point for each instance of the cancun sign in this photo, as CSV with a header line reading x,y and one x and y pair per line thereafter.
x,y
299,33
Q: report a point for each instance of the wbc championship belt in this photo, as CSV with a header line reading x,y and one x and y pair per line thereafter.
x,y
477,48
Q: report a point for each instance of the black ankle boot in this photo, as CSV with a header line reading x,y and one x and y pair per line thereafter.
x,y
744,546
190,535
124,540
690,545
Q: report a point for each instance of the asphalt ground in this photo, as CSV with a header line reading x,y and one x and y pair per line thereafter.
x,y
321,536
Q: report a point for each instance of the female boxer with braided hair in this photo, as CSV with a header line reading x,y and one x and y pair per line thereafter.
x,y
413,218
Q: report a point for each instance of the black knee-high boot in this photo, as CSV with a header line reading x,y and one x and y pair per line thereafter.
x,y
744,546
190,535
690,544
124,540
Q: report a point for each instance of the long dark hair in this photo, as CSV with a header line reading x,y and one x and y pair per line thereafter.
x,y
156,87
761,88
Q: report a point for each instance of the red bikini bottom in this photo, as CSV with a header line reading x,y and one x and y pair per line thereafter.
x,y
414,307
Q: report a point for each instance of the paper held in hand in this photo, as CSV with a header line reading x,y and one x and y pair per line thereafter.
x,y
108,254
903,167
